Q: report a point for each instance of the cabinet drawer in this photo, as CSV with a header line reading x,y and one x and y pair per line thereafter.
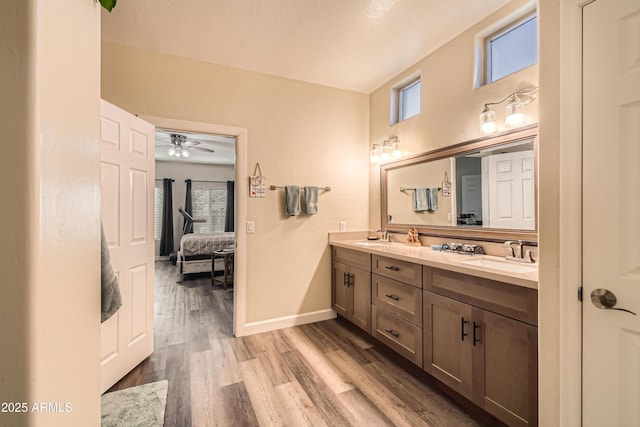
x,y
350,257
513,301
400,335
398,298
403,271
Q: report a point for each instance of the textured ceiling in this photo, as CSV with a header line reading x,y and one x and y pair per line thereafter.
x,y
349,44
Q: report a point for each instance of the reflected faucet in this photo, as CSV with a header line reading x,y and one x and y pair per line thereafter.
x,y
385,235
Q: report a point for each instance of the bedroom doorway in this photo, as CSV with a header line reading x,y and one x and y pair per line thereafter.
x,y
216,157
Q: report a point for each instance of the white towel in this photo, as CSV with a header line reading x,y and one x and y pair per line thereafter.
x,y
420,200
311,200
292,200
432,198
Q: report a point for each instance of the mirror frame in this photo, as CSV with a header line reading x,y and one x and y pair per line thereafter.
x,y
460,231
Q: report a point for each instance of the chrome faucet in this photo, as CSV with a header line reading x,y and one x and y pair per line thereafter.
x,y
517,254
385,235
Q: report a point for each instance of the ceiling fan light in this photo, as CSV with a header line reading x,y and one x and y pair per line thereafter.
x,y
172,151
185,154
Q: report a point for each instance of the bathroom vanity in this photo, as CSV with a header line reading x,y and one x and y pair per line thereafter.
x,y
468,321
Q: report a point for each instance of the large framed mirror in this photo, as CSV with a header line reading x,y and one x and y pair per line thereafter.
x,y
484,189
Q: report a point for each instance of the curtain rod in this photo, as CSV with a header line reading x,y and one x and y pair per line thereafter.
x,y
204,180
160,179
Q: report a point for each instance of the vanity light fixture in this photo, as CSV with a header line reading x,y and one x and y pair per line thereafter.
x,y
514,113
385,150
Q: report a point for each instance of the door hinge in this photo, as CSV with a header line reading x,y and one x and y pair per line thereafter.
x,y
580,294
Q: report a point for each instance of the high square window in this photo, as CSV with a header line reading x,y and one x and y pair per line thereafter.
x,y
405,101
512,48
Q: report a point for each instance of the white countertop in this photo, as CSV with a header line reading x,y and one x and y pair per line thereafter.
x,y
494,268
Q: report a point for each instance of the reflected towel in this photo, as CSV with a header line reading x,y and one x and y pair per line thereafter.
x,y
292,200
420,200
111,300
432,199
311,200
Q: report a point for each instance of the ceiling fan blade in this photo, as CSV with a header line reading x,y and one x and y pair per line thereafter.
x,y
190,143
208,150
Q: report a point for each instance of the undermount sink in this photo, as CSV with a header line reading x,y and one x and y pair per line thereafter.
x,y
372,243
507,266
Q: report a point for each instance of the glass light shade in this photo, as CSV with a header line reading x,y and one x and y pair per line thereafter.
x,y
374,155
172,151
488,121
185,154
514,114
386,153
397,152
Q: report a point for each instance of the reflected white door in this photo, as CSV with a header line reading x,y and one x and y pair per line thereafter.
x,y
512,191
472,195
127,168
611,203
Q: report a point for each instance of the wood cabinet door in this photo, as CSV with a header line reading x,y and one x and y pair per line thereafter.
x,y
360,288
448,336
340,293
505,368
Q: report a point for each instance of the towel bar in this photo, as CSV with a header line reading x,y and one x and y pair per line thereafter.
x,y
405,188
274,187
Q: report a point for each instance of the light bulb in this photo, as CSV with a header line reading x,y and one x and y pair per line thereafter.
x,y
514,115
172,151
397,152
488,121
185,154
374,155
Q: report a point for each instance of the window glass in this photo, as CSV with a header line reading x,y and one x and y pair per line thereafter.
x,y
209,200
409,102
158,210
513,49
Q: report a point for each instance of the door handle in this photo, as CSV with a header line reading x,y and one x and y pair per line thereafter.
x,y
344,279
350,279
476,340
462,332
606,300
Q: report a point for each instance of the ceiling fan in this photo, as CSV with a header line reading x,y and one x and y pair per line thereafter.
x,y
180,146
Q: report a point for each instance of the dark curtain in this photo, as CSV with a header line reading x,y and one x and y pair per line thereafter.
x,y
230,210
166,238
188,207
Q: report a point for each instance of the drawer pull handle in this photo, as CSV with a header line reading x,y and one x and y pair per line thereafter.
x,y
392,332
462,333
392,268
393,297
475,333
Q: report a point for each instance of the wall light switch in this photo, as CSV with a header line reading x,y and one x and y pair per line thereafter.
x,y
342,225
449,217
251,226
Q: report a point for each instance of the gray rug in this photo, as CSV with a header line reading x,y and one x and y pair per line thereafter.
x,y
140,406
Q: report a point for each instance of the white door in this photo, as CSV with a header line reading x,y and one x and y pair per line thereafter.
x,y
472,195
611,206
512,191
127,166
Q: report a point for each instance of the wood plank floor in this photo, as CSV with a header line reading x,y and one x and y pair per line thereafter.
x,y
323,374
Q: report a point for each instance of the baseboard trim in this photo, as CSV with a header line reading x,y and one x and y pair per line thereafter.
x,y
287,322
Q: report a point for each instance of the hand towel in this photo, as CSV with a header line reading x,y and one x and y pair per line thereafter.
x,y
111,300
292,200
311,200
432,199
420,200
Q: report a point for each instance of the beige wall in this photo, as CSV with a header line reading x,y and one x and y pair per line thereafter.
x,y
180,171
50,305
300,133
450,105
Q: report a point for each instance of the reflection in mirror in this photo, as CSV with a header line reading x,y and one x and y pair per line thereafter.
x,y
482,188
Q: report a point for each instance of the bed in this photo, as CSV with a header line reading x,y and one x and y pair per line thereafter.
x,y
194,255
